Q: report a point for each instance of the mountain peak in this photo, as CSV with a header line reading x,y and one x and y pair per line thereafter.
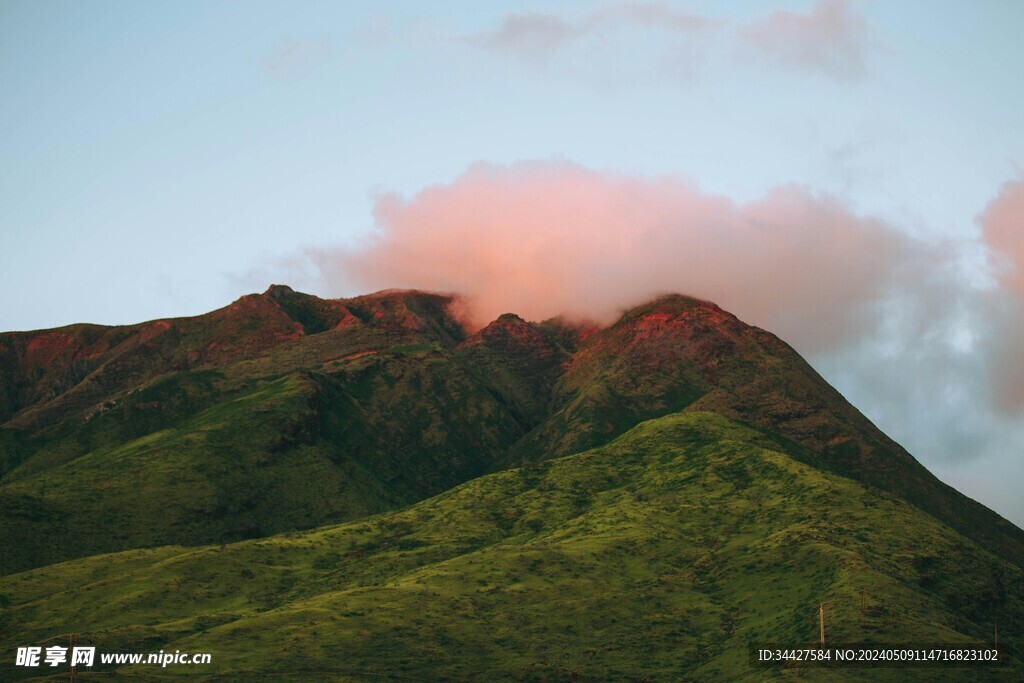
x,y
409,309
278,291
510,328
672,305
509,323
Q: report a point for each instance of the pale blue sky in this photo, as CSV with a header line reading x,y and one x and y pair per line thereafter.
x,y
161,159
153,151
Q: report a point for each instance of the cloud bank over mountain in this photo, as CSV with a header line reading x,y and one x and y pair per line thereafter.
x,y
915,332
550,238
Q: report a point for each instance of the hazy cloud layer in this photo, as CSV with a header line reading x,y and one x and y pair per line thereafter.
x,y
830,39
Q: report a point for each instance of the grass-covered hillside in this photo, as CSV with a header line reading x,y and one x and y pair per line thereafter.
x,y
284,411
679,353
381,410
364,489
656,557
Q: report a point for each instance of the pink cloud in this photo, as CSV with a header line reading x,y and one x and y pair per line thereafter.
x,y
830,39
546,238
1002,225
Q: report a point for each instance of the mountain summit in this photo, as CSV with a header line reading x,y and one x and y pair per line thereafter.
x,y
395,450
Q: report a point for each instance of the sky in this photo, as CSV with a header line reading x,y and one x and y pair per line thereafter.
x,y
847,174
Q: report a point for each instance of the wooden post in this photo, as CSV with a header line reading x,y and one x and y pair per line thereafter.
x,y
821,621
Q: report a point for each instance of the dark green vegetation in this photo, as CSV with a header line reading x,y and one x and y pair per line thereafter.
x,y
380,410
661,492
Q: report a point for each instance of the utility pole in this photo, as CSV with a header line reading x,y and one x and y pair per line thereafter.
x,y
821,621
72,642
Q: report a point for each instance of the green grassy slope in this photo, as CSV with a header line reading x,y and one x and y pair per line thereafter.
x,y
247,454
380,410
206,429
679,353
655,557
218,428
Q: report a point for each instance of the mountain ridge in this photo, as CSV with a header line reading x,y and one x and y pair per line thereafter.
x,y
366,479
516,392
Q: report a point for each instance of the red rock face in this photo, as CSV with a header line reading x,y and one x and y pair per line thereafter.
x,y
409,322
652,319
696,333
42,349
37,369
153,331
347,320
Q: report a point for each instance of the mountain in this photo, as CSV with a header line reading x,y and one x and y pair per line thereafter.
x,y
679,353
281,411
382,493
